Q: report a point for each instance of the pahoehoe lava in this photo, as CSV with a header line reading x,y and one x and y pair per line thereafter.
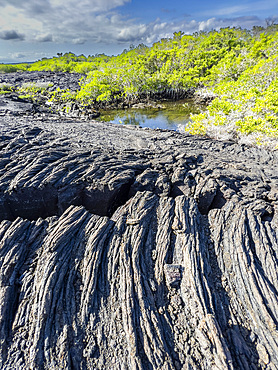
x,y
129,248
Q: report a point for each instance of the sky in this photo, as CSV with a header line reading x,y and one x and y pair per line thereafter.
x,y
33,29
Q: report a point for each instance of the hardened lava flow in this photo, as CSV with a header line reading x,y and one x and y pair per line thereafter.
x,y
130,248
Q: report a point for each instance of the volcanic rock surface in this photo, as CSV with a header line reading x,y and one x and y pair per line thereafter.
x,y
60,80
129,248
12,103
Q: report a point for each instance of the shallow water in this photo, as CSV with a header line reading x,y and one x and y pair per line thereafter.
x,y
174,115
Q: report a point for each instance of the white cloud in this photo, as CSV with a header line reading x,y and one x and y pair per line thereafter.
x,y
242,9
14,18
79,41
23,55
217,23
207,25
98,21
64,20
44,37
232,10
19,55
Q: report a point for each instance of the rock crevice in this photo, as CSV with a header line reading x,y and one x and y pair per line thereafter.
x,y
131,248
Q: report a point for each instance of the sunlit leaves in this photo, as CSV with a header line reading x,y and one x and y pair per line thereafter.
x,y
240,67
247,89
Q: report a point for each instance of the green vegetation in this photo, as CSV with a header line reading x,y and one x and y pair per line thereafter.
x,y
70,62
5,88
8,68
246,86
240,67
34,91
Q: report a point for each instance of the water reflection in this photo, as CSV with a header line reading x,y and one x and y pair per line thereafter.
x,y
173,116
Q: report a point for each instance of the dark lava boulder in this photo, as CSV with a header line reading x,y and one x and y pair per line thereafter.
x,y
31,92
62,80
127,248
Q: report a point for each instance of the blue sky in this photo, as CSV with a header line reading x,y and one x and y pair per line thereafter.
x,y
33,29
